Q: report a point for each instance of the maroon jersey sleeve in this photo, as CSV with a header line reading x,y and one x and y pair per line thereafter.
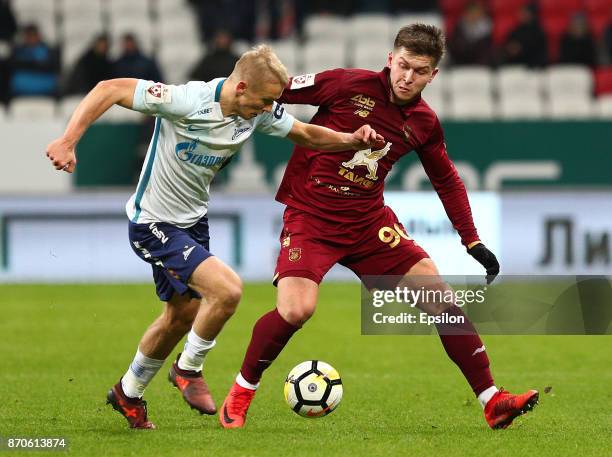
x,y
447,183
319,89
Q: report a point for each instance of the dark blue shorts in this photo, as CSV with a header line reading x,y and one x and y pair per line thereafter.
x,y
174,253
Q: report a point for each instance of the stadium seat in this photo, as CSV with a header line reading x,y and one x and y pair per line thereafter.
x,y
287,52
566,80
118,114
603,80
516,79
68,105
598,6
574,107
604,106
32,108
326,28
505,7
179,29
169,8
437,102
247,176
502,26
405,19
370,27
520,93
598,23
176,61
319,56
470,80
131,8
554,26
553,7
370,55
142,28
453,7
474,106
520,107
303,112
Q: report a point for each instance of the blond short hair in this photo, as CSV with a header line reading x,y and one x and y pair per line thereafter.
x,y
261,64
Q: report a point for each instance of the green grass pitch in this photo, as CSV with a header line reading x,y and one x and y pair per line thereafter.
x,y
62,347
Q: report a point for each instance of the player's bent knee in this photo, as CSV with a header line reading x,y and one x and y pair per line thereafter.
x,y
297,314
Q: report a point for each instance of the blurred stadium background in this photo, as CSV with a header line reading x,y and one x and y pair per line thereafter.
x,y
528,131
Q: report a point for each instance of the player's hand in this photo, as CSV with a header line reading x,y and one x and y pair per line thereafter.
x,y
487,259
61,154
365,137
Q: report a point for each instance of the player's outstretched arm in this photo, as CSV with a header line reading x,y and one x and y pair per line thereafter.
x,y
324,139
120,91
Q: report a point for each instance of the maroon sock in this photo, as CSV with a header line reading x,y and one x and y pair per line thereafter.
x,y
466,349
270,335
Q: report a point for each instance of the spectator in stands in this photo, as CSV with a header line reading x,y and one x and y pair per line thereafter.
x,y
414,6
133,63
471,43
372,6
527,43
8,28
92,67
577,44
239,17
218,62
35,65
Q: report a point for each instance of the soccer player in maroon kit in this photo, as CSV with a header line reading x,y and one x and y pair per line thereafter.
x,y
336,214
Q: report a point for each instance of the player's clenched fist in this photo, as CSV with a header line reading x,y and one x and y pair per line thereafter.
x,y
61,154
366,137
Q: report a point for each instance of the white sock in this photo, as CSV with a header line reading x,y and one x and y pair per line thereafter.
x,y
194,352
486,395
244,383
139,374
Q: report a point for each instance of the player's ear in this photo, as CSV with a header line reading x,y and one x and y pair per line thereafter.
x,y
433,74
241,87
389,59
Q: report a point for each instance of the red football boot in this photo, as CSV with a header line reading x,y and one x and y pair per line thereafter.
x,y
193,387
503,407
235,407
133,409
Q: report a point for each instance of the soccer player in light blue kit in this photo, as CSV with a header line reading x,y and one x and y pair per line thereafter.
x,y
199,127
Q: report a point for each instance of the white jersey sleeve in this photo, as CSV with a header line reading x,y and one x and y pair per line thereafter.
x,y
169,101
277,123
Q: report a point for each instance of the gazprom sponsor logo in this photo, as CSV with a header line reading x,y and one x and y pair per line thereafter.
x,y
185,153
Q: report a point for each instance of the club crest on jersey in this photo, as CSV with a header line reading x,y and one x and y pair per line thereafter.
x,y
407,132
295,254
366,158
364,105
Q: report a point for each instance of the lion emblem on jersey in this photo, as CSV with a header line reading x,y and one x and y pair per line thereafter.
x,y
369,159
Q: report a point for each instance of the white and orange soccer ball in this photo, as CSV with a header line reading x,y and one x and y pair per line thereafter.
x,y
313,389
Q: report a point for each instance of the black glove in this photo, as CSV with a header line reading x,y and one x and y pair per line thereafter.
x,y
487,259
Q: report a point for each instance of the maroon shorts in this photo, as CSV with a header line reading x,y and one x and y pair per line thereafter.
x,y
310,246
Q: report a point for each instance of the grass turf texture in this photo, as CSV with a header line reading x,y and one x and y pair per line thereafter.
x,y
64,346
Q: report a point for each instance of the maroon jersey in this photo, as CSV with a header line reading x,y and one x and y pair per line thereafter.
x,y
347,186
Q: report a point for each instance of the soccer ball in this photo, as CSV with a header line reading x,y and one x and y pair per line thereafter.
x,y
313,389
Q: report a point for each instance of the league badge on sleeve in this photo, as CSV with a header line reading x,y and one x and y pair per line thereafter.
x,y
158,93
301,81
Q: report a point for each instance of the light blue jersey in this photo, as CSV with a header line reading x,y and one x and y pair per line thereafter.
x,y
191,142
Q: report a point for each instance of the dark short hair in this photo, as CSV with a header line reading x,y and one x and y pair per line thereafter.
x,y
422,40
